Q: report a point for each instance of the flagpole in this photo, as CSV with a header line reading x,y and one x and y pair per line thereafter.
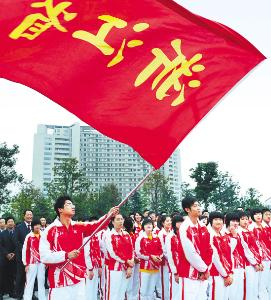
x,y
110,215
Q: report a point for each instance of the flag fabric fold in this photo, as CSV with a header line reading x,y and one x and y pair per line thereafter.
x,y
141,72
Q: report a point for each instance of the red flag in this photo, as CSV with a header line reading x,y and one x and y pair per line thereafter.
x,y
141,72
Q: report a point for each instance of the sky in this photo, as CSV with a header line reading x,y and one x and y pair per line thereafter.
x,y
236,133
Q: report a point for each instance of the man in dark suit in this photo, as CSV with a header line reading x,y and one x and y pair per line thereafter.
x,y
20,233
2,266
8,248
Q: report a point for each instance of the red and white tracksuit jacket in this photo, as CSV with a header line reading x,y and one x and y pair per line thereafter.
x,y
262,235
145,247
222,257
196,247
162,236
30,251
251,247
174,251
120,248
56,242
238,252
93,253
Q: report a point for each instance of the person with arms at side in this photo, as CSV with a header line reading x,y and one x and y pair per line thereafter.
x,y
148,249
237,288
21,231
173,250
59,242
260,231
221,273
197,253
165,224
31,260
93,260
253,261
2,266
133,286
9,254
120,250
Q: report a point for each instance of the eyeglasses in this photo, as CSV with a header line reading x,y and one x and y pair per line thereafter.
x,y
69,204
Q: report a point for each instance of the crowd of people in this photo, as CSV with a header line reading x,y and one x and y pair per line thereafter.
x,y
189,255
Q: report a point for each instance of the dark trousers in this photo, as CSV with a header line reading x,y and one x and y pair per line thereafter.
x,y
2,267
10,274
20,279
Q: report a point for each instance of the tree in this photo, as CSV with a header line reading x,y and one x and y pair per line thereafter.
x,y
169,202
207,181
25,199
107,197
8,174
136,203
68,180
43,207
252,199
157,194
84,205
187,190
227,194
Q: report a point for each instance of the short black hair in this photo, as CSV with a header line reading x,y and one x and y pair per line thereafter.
x,y
139,213
264,210
60,201
254,212
176,219
232,216
145,210
188,202
114,217
146,221
26,210
128,224
162,219
215,215
34,223
9,218
205,210
242,214
151,212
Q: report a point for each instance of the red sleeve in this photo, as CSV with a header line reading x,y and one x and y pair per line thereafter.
x,y
28,253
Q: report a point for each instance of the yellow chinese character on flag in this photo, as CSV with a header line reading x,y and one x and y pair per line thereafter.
x,y
173,71
35,24
99,42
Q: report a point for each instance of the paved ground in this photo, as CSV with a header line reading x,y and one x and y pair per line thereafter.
x,y
8,298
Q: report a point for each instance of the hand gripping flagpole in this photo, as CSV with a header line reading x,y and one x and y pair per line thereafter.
x,y
110,215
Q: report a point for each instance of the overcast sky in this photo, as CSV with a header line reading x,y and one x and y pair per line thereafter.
x,y
236,133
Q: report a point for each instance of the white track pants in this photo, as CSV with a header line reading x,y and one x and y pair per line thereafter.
x,y
164,277
92,286
237,287
103,282
193,289
71,292
174,288
147,282
252,283
133,286
35,270
117,284
218,290
265,282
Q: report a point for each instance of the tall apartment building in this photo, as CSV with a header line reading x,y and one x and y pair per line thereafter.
x,y
103,160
